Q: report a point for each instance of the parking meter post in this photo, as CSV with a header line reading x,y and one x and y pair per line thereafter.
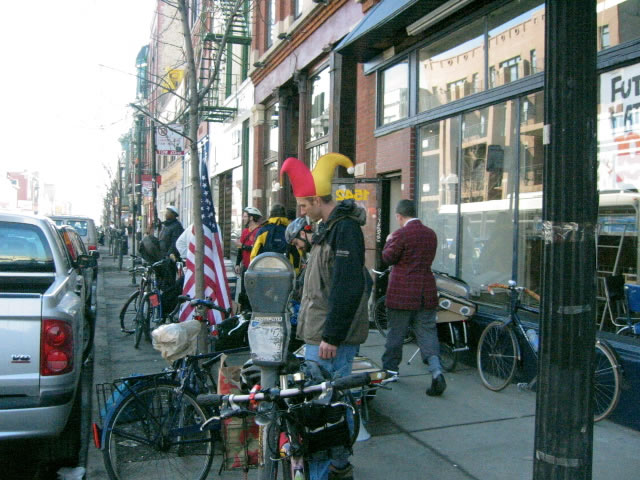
x,y
269,282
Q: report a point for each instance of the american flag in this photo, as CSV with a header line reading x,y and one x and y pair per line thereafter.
x,y
216,285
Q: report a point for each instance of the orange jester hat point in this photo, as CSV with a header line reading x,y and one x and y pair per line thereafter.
x,y
316,183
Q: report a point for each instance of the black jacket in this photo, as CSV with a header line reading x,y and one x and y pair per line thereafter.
x,y
171,230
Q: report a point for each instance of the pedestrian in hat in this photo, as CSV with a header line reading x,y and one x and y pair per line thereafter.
x,y
171,230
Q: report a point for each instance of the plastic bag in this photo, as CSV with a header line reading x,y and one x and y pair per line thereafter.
x,y
176,340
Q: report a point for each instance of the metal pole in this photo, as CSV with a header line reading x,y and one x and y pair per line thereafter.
x,y
119,222
154,174
564,410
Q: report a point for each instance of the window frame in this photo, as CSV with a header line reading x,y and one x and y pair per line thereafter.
x,y
379,90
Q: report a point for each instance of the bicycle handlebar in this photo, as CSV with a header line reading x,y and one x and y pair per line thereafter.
x,y
344,383
531,293
204,303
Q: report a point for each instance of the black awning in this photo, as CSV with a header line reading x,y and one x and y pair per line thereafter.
x,y
384,26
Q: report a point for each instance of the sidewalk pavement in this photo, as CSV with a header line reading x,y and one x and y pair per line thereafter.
x,y
467,433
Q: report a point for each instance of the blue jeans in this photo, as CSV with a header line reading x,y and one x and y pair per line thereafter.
x,y
339,366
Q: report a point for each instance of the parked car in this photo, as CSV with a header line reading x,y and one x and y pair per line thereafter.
x,y
85,227
75,247
42,308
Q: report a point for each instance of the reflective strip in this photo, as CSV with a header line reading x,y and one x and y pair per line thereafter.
x,y
563,462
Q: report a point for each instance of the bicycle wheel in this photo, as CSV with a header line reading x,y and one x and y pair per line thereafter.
x,y
155,434
128,313
274,467
380,320
497,356
606,384
380,316
448,358
142,320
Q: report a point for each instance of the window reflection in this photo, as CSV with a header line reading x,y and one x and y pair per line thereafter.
x,y
530,198
395,92
271,185
272,132
314,153
319,108
513,30
438,187
451,68
618,22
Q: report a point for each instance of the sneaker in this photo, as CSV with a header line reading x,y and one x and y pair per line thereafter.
x,y
345,473
438,385
392,376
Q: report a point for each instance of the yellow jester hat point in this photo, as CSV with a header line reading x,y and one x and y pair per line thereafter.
x,y
318,182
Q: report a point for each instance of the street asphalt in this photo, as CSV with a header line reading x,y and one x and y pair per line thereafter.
x,y
467,433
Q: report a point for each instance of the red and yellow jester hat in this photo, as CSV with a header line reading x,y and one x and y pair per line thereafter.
x,y
306,183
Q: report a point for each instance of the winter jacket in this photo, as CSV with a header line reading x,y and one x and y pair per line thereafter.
x,y
411,250
171,230
336,283
265,230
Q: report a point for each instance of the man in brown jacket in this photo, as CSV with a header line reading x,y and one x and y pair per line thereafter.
x,y
412,298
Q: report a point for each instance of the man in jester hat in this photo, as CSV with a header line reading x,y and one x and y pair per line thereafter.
x,y
333,318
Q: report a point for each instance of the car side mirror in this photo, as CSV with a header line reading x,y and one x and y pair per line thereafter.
x,y
86,261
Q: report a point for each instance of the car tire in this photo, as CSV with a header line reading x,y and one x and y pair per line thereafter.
x,y
63,449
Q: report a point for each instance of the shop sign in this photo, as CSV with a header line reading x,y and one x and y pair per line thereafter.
x,y
619,129
170,142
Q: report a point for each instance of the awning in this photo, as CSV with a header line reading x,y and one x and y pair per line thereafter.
x,y
383,27
386,25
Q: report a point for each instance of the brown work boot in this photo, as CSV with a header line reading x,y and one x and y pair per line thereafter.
x,y
345,473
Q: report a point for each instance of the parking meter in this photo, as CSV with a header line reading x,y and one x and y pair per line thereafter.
x,y
269,282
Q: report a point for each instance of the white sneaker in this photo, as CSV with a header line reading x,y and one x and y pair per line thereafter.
x,y
393,376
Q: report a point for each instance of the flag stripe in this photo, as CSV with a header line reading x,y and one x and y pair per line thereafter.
x,y
215,276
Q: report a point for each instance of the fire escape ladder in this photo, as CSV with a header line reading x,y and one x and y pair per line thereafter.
x,y
213,106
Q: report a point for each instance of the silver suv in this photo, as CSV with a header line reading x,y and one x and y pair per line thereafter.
x,y
42,300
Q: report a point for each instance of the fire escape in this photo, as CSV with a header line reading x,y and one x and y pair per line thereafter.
x,y
213,107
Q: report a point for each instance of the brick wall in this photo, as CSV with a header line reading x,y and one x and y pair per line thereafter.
x,y
366,121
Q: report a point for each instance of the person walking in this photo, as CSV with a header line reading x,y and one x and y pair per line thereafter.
x,y
333,319
171,230
412,297
251,217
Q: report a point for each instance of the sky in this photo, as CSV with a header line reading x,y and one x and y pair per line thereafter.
x,y
69,73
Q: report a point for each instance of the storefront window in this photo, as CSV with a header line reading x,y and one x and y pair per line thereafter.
x,y
271,185
272,135
619,129
394,90
236,206
314,153
438,187
530,198
618,22
487,186
319,106
451,68
515,31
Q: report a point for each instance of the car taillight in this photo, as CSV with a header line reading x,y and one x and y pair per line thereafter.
x,y
93,247
56,347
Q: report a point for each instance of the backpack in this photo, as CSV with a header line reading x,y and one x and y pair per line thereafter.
x,y
275,241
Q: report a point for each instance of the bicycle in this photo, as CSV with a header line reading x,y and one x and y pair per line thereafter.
x,y
287,439
151,428
144,305
499,354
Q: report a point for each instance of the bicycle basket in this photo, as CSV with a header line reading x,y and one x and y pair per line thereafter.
x,y
323,427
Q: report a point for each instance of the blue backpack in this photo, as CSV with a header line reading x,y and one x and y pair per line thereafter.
x,y
275,241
